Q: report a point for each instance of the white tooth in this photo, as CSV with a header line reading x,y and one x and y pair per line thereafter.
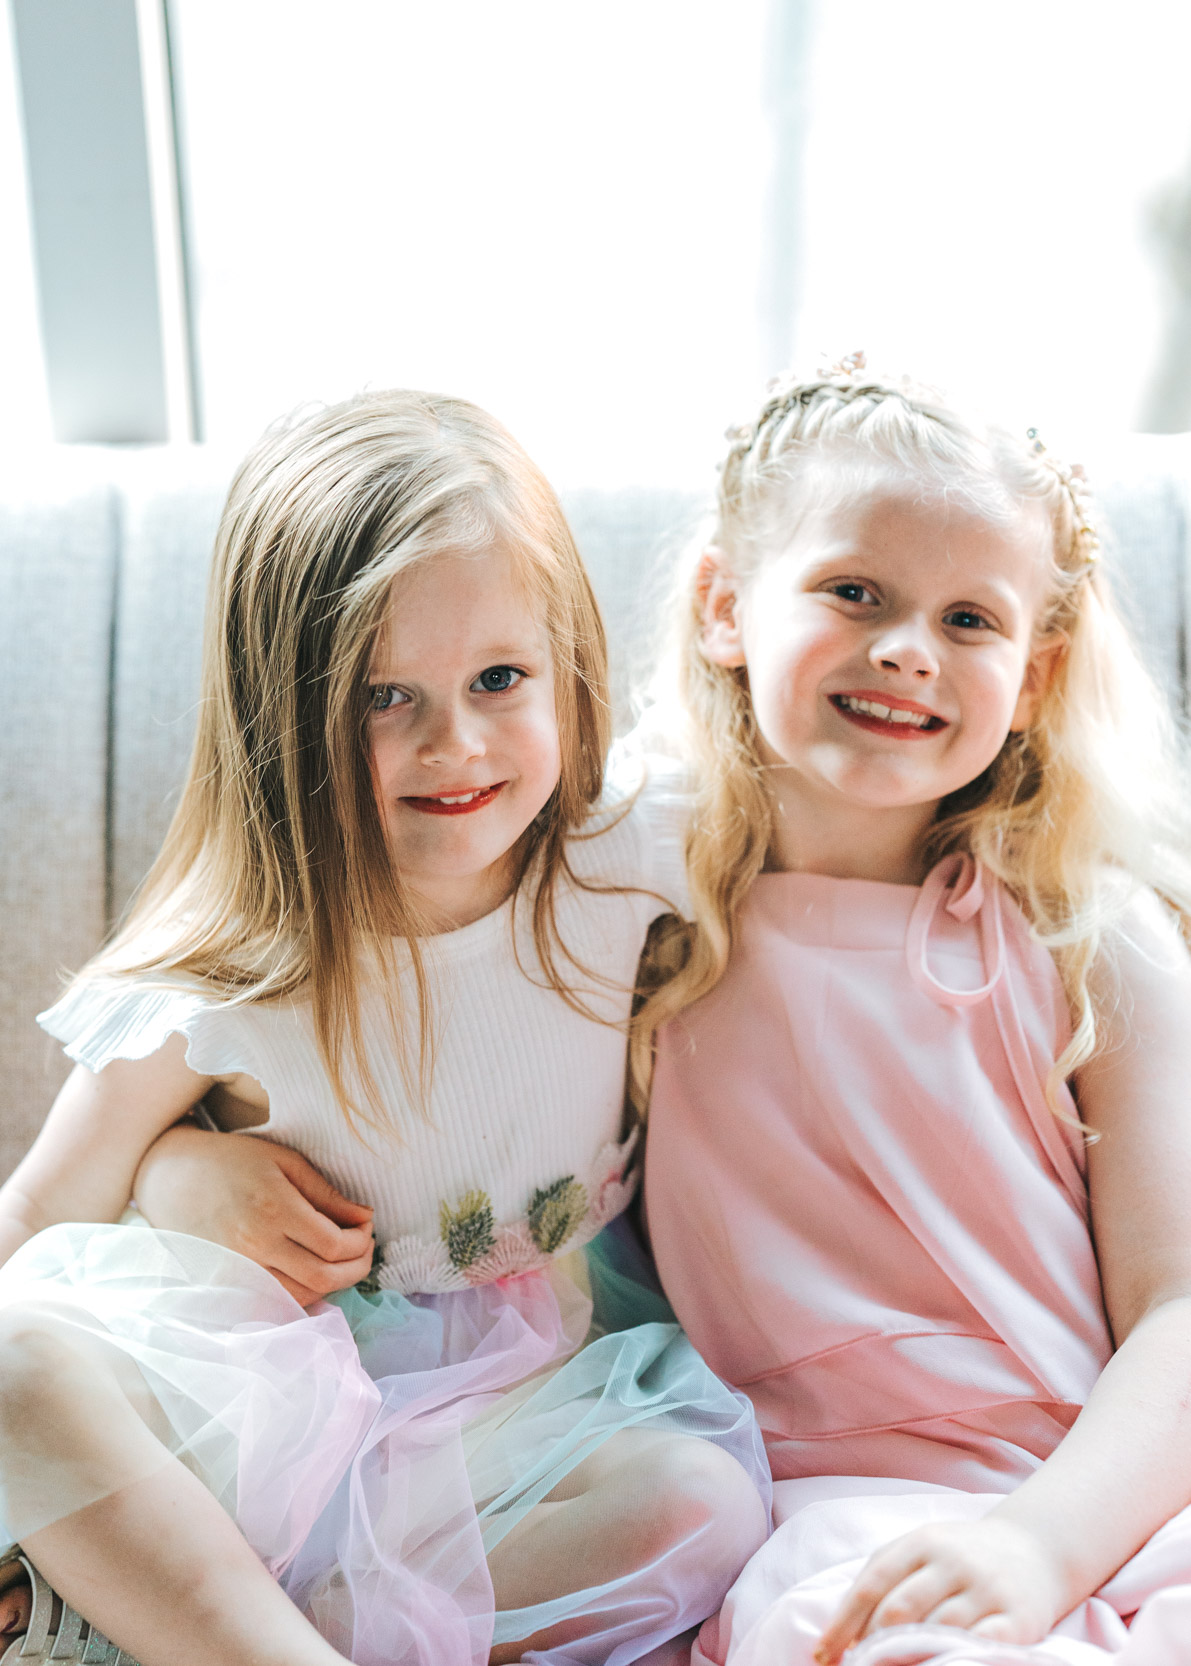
x,y
878,711
903,717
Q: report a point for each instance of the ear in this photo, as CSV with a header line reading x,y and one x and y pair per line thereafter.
x,y
716,598
1041,669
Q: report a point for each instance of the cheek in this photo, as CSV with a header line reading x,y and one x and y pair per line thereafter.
x,y
998,690
788,666
539,744
384,759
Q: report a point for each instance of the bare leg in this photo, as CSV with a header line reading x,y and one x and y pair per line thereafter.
x,y
640,1495
162,1569
148,1555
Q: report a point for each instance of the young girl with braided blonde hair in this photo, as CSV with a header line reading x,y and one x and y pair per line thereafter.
x,y
919,1158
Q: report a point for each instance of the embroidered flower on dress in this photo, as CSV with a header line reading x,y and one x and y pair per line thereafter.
x,y
555,1211
471,1249
612,1199
468,1230
514,1252
410,1264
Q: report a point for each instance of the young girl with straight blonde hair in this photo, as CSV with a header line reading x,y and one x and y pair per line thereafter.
x,y
394,929
931,1094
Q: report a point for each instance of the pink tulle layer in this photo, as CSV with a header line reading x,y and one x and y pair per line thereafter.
x,y
376,1449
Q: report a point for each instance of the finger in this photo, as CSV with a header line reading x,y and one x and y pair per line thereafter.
x,y
916,1597
996,1628
319,1275
305,1224
319,1191
303,1296
877,1578
963,1609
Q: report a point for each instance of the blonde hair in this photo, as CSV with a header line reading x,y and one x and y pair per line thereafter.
x,y
275,872
1074,813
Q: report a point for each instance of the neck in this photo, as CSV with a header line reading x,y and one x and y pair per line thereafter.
x,y
448,904
825,834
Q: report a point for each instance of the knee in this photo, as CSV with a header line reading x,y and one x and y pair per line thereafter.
x,y
36,1364
703,1494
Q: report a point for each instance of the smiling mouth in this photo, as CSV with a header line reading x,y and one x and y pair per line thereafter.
x,y
456,804
905,722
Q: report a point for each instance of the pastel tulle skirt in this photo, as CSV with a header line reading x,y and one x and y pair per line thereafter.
x,y
376,1450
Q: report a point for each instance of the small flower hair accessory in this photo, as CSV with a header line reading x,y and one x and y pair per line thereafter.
x,y
783,392
1072,478
847,367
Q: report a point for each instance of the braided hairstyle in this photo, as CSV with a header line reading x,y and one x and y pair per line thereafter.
x,y
1088,796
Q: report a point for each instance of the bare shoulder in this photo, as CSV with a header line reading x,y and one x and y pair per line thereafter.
x,y
164,1073
126,1104
82,1164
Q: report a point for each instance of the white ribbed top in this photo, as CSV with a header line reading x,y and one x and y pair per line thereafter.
x,y
517,1157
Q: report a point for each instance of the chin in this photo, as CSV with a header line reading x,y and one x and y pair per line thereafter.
x,y
886,794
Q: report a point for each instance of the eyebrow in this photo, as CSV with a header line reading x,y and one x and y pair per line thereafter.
x,y
497,654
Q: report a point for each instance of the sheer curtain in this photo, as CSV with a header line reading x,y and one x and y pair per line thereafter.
x,y
982,185
555,210
609,224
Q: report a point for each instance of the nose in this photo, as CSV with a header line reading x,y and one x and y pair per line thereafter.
x,y
450,735
906,647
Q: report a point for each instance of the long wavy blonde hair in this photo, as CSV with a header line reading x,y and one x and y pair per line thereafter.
x,y
1088,803
275,877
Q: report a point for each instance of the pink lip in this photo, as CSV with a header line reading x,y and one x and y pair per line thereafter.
x,y
880,725
435,807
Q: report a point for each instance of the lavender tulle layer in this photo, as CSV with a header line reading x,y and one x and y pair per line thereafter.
x,y
377,1449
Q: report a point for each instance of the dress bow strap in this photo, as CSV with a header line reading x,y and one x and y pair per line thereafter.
x,y
957,884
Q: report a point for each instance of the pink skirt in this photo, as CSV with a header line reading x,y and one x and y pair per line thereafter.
x,y
827,1528
375,1449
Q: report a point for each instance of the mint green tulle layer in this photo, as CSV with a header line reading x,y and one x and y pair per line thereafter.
x,y
377,1450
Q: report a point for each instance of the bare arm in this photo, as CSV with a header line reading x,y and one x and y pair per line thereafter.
x,y
1125,1467
82,1164
261,1200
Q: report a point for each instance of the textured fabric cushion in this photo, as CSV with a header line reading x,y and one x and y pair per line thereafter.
x,y
58,536
104,558
170,505
1144,485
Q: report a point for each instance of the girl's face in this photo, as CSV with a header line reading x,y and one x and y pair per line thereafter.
x,y
890,647
464,736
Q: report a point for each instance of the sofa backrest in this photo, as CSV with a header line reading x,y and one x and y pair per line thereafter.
x,y
103,564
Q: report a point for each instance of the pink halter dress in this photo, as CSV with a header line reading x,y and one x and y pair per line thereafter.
x,y
868,1217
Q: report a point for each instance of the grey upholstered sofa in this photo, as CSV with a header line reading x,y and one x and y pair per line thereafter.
x,y
103,559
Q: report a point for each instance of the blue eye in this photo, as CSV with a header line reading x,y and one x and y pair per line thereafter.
x,y
382,697
964,619
498,679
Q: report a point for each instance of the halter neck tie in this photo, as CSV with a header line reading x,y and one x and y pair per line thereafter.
x,y
960,880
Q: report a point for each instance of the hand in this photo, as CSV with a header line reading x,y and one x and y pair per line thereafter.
x,y
994,1578
262,1200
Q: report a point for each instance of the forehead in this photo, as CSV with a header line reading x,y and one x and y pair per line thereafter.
x,y
459,603
924,528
